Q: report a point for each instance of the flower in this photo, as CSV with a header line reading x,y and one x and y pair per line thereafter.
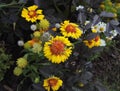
x,y
100,27
20,43
33,27
53,83
93,42
21,62
89,43
97,41
37,48
32,13
17,71
57,49
46,36
79,7
30,43
37,34
70,30
102,42
44,25
57,25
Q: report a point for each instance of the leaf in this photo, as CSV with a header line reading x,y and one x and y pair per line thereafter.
x,y
81,18
88,26
114,22
86,76
108,29
106,14
99,87
22,1
91,36
96,20
117,29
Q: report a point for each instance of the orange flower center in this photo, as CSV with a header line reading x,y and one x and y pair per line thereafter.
x,y
52,82
57,47
32,13
90,42
96,38
70,28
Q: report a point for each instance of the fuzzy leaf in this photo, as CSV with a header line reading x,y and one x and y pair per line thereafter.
x,y
117,29
96,20
106,14
91,36
114,22
81,18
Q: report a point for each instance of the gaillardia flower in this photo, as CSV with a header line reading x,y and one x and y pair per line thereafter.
x,y
93,42
32,13
21,62
69,29
89,43
57,49
53,83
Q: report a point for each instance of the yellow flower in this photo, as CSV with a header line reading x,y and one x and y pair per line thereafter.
x,y
21,62
53,83
37,34
97,41
89,43
17,71
32,13
70,30
44,25
57,49
93,42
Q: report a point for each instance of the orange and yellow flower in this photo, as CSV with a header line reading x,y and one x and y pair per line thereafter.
x,y
57,49
69,29
53,83
93,42
32,13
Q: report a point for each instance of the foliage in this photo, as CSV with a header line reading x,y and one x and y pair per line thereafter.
x,y
58,38
5,62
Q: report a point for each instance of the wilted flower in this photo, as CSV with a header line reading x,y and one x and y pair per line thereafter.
x,y
46,36
32,13
53,83
17,71
20,43
33,27
70,30
22,62
58,49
